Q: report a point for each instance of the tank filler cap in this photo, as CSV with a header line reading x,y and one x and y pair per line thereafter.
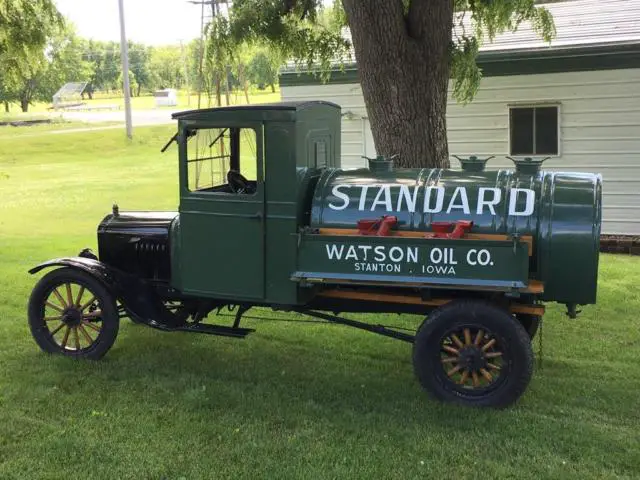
x,y
528,165
473,163
381,163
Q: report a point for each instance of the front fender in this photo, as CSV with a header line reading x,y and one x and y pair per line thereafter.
x,y
137,297
95,268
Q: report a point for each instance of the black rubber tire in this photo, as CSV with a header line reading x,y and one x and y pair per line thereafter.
x,y
530,323
110,317
515,343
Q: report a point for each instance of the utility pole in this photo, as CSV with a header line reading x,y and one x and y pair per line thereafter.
x,y
124,54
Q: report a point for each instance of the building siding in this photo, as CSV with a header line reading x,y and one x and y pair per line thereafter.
x,y
599,128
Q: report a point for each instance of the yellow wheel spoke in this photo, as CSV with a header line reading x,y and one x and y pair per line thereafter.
x,y
79,297
57,329
59,297
55,307
85,334
450,359
450,349
464,377
486,375
457,341
76,337
476,380
489,344
91,325
493,354
51,319
492,366
479,336
467,336
69,296
93,299
66,337
454,370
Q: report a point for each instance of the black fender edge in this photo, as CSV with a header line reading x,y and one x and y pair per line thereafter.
x,y
94,267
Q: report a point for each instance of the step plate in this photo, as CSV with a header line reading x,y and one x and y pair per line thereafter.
x,y
219,330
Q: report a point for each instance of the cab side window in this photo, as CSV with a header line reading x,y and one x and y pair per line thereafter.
x,y
222,160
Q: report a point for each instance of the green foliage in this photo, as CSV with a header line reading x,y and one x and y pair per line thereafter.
x,y
25,26
167,66
293,28
486,19
106,65
310,33
263,67
139,59
133,82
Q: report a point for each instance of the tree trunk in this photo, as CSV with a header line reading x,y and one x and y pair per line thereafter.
x,y
24,104
273,88
218,93
406,95
6,106
138,92
226,85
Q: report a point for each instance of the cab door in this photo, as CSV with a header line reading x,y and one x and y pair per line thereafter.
x,y
221,246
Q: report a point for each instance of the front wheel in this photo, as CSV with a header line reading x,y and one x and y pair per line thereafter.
x,y
473,353
73,314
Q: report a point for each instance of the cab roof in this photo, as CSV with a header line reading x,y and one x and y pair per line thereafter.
x,y
260,110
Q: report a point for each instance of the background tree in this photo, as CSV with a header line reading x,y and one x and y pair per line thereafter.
x,y
61,62
167,66
133,82
25,28
406,54
263,68
139,56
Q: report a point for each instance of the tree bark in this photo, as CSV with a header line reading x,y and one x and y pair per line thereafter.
x,y
6,106
406,95
273,88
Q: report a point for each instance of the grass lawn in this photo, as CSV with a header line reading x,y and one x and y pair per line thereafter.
x,y
292,400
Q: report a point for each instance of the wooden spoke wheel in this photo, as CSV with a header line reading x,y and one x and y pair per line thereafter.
x,y
72,313
474,353
472,358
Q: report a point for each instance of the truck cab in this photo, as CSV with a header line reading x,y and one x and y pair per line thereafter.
x,y
246,173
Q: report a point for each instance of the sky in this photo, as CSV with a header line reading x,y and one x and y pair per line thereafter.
x,y
154,22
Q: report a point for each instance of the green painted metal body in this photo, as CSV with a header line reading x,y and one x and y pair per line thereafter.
x,y
242,248
563,215
266,248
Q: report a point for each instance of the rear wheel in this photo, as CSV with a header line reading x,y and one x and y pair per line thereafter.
x,y
72,313
473,353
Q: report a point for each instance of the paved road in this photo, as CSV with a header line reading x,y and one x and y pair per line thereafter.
x,y
139,117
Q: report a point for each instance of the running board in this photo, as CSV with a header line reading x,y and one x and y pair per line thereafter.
x,y
219,330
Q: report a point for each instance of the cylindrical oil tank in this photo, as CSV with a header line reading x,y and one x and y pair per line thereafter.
x,y
561,211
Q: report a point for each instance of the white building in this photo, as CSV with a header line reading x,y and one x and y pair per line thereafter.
x,y
576,100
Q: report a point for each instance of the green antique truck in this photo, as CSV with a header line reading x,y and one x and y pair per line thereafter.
x,y
268,218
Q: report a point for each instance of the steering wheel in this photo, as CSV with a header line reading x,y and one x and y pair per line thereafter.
x,y
237,182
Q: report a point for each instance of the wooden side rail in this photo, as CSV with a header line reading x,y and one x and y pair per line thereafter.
x,y
415,300
528,239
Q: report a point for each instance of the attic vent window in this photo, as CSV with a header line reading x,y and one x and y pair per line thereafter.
x,y
533,130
